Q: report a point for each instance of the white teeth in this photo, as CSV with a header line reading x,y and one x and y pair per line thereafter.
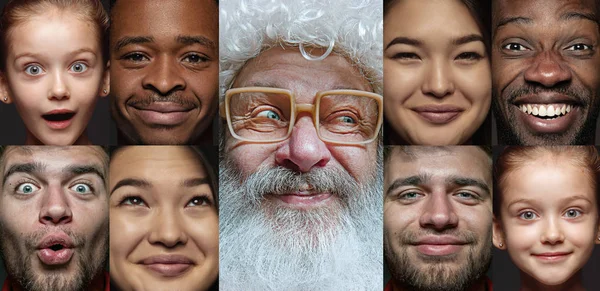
x,y
542,110
550,111
554,110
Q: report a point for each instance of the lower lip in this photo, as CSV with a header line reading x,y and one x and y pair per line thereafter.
x,y
59,124
552,259
304,200
556,125
438,250
51,257
438,117
162,118
169,270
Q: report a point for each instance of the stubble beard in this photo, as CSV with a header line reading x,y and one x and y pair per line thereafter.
x,y
443,273
19,258
267,246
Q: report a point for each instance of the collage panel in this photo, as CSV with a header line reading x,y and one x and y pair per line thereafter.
x,y
545,68
546,220
437,218
164,218
54,218
53,72
164,58
437,72
300,157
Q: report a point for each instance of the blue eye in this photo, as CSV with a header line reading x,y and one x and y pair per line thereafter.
x,y
347,119
411,195
528,215
269,114
27,188
33,70
78,67
82,188
133,201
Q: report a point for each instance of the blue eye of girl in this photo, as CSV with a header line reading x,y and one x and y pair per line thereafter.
x,y
79,67
528,215
33,70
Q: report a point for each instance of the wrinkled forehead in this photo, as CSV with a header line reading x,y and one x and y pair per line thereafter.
x,y
54,157
287,68
543,11
441,162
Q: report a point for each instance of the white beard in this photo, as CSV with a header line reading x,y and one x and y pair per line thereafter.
x,y
269,247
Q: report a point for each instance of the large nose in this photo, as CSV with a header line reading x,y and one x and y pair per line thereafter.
x,y
303,150
548,69
168,230
439,81
439,214
553,233
55,208
59,89
164,76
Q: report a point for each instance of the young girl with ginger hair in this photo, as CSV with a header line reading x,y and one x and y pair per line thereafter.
x,y
546,213
53,59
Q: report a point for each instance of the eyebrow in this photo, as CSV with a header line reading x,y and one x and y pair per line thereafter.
x,y
27,168
564,17
201,40
404,40
85,169
467,39
465,182
562,201
408,181
193,182
73,53
128,40
134,182
516,20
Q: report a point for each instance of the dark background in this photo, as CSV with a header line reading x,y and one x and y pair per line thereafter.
x,y
100,129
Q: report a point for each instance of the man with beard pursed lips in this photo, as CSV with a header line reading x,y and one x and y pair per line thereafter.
x,y
300,166
545,68
164,70
54,218
437,218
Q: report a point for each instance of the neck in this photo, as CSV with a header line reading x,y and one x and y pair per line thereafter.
x,y
574,283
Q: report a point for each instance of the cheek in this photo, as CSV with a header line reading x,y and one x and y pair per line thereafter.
x,y
205,234
476,85
400,83
125,233
521,238
28,97
124,84
358,161
249,157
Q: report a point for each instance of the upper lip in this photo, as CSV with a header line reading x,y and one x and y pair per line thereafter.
x,y
167,259
60,238
545,98
164,107
441,108
440,240
551,254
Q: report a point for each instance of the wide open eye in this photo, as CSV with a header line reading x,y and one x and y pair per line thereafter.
x,y
79,67
573,213
528,215
34,70
26,188
82,188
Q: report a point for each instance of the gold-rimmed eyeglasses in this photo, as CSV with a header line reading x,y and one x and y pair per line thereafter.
x,y
266,115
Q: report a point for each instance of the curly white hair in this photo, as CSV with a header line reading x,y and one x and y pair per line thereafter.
x,y
354,27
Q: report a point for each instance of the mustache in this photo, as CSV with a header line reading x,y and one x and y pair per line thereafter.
x,y
580,95
281,181
176,98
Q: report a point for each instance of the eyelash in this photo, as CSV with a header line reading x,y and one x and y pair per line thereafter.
x,y
126,201
129,57
204,200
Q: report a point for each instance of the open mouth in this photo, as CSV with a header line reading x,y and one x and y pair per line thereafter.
x,y
58,117
56,247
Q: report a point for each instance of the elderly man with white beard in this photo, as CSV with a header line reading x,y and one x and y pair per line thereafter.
x,y
301,164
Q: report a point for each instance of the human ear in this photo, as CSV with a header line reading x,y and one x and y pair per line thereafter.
x,y
105,88
4,90
597,239
498,237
